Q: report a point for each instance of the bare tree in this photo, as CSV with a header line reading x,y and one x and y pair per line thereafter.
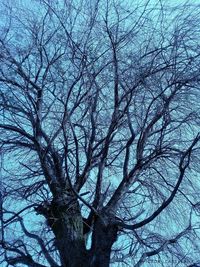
x,y
99,133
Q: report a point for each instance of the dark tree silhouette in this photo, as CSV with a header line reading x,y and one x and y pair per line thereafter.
x,y
99,133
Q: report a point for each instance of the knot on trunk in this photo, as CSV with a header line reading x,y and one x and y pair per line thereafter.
x,y
43,208
61,208
48,211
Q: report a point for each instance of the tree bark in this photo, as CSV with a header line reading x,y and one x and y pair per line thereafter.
x,y
70,241
64,218
104,236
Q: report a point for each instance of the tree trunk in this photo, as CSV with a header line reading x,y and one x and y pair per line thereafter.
x,y
103,238
66,223
70,243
